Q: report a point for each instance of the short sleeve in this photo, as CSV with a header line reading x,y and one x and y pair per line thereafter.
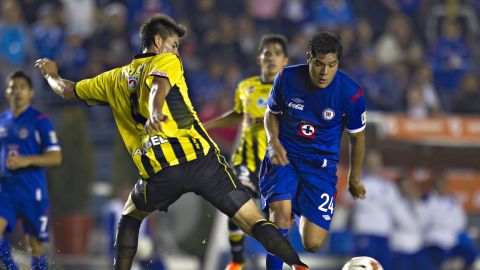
x,y
47,134
275,100
166,66
238,106
94,91
356,115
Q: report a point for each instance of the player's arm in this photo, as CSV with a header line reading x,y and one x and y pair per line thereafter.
x,y
158,92
228,119
356,153
61,87
50,158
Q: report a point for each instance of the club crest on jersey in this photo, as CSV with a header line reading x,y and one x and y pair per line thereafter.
x,y
262,102
307,130
328,114
23,133
132,82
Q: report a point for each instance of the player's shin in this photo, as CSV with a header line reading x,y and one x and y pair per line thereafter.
x,y
126,242
6,255
236,238
273,241
272,261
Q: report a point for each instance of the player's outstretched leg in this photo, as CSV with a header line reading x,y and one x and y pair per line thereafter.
x,y
126,242
6,255
236,238
249,219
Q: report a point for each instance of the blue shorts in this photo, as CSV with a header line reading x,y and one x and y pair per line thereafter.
x,y
34,214
311,187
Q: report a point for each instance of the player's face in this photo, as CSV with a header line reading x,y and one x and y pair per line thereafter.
x,y
170,44
19,93
272,59
322,68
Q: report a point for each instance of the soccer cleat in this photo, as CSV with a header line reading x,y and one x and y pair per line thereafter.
x,y
299,267
234,266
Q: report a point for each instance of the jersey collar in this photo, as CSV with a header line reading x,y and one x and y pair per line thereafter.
x,y
143,55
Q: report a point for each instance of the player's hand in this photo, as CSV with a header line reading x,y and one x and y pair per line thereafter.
x,y
154,123
356,188
277,153
47,67
17,162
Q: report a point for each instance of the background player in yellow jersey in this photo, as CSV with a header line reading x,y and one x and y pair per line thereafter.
x,y
161,130
250,103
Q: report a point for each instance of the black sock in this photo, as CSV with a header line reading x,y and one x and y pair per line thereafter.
x,y
272,240
236,238
126,242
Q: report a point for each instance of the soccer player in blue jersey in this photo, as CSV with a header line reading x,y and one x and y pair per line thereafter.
x,y
309,107
28,144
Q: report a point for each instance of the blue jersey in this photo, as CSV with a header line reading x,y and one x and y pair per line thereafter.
x,y
30,133
312,120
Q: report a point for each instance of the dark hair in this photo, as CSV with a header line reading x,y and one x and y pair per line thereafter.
x,y
19,74
159,24
273,38
325,43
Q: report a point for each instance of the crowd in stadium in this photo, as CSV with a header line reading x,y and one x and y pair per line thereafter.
x,y
412,56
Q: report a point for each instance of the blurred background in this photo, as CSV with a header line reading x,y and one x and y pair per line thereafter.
x,y
418,61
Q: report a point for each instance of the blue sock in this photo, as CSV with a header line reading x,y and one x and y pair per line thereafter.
x,y
273,262
40,263
6,255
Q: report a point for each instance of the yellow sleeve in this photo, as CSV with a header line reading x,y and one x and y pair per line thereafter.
x,y
238,106
94,91
167,66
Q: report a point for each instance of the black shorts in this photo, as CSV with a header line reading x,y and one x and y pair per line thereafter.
x,y
248,179
208,176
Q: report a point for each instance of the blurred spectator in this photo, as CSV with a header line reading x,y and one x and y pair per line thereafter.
x,y
445,235
74,57
332,14
377,94
113,37
372,220
450,57
423,78
449,10
14,44
79,17
398,43
364,36
295,13
31,8
407,237
467,99
416,102
47,32
398,79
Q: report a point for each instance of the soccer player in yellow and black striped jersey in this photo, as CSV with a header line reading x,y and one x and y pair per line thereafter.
x,y
150,103
251,98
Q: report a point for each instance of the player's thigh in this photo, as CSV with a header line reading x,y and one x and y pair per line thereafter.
x,y
8,214
156,193
313,236
281,213
36,219
212,178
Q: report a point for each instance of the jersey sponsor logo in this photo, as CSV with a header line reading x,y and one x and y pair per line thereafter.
x,y
364,118
307,130
296,103
328,114
23,133
150,141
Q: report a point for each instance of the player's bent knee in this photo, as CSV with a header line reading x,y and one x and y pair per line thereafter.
x,y
312,245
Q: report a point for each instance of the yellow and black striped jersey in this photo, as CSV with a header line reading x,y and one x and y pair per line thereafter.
x,y
126,90
251,100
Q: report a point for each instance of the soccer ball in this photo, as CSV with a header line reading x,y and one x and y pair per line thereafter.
x,y
362,263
